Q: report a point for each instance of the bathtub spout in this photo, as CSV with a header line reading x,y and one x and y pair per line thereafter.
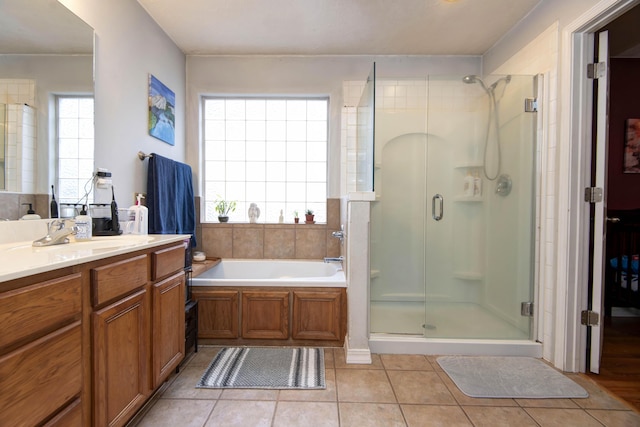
x,y
336,259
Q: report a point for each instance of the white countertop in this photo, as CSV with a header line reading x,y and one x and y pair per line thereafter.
x,y
21,259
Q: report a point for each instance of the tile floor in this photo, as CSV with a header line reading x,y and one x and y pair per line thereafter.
x,y
395,390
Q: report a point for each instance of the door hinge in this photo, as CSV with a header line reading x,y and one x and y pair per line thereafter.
x,y
593,194
530,105
596,70
589,318
526,309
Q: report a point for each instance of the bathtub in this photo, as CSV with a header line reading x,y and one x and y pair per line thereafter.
x,y
273,273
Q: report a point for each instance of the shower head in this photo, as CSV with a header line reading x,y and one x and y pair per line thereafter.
x,y
505,79
472,78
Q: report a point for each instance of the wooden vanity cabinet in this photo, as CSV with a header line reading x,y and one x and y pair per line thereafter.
x,y
276,316
168,326
138,330
40,349
121,332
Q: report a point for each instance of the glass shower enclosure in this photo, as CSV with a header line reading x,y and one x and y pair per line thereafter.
x,y
452,226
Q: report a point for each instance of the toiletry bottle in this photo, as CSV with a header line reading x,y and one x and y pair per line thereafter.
x,y
477,185
84,225
468,185
139,217
31,214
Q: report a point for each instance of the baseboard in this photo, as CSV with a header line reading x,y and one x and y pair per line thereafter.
x,y
356,356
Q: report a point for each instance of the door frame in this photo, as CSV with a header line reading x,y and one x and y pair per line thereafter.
x,y
574,174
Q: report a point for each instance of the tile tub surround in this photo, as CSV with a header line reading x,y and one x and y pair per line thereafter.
x,y
273,241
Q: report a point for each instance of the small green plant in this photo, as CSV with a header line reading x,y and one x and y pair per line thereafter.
x,y
308,212
223,207
295,214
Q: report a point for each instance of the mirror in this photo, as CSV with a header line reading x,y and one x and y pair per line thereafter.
x,y
45,50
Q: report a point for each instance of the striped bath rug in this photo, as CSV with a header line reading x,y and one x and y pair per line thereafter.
x,y
266,368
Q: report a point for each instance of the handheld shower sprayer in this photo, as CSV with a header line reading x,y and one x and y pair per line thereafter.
x,y
493,114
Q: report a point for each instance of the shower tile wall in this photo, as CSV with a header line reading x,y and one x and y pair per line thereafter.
x,y
17,91
541,57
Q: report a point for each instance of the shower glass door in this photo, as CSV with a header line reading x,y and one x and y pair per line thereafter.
x,y
452,227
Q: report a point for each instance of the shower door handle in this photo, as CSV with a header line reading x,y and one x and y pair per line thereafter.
x,y
440,201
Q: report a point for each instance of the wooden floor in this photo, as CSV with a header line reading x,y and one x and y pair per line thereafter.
x,y
620,364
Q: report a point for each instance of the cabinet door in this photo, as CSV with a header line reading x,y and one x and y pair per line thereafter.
x,y
168,326
217,313
265,314
121,359
318,315
39,378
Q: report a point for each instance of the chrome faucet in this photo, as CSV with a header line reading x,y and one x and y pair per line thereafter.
x,y
339,234
56,234
334,259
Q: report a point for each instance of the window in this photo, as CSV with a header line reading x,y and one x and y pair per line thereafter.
x,y
75,149
272,152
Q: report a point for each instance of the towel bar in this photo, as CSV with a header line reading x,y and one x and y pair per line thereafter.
x,y
142,156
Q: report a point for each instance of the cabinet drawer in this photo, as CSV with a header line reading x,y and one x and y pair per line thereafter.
x,y
38,379
30,312
167,261
71,416
118,279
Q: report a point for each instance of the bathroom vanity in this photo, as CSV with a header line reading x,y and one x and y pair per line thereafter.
x,y
89,329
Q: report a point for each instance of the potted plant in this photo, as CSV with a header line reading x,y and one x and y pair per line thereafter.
x,y
308,216
295,217
223,208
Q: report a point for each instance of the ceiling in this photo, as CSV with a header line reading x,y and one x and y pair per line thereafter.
x,y
337,27
42,27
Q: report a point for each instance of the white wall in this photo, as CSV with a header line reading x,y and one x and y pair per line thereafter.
x,y
130,46
318,75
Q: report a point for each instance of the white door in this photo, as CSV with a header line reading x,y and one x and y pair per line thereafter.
x,y
599,215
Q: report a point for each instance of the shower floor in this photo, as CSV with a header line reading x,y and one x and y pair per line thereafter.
x,y
443,320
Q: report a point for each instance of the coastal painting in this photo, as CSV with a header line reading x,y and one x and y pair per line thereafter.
x,y
162,117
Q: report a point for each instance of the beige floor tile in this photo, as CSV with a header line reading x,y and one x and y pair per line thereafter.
x,y
420,387
203,357
463,399
547,403
435,416
361,385
242,413
327,395
549,417
329,357
249,394
177,412
340,361
184,386
616,418
491,416
370,415
306,414
411,362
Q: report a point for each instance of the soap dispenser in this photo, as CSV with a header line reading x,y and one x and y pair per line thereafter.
x,y
31,214
138,217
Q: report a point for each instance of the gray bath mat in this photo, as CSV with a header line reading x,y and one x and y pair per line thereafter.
x,y
266,367
509,377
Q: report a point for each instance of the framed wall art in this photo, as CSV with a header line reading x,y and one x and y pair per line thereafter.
x,y
162,119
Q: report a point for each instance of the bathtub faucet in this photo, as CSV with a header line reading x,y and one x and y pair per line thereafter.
x,y
332,259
